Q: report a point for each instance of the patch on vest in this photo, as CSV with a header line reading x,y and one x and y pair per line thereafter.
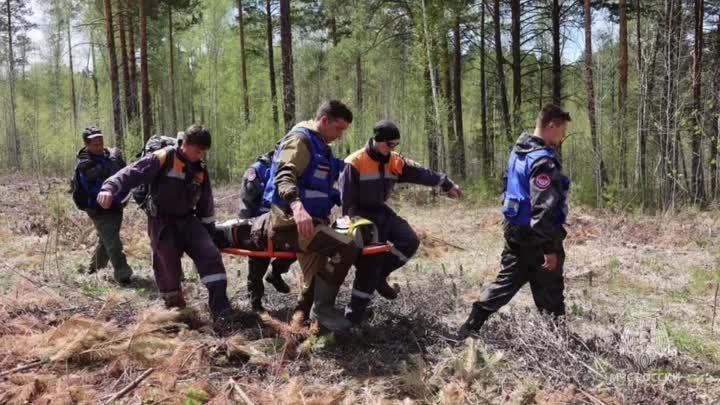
x,y
543,181
251,175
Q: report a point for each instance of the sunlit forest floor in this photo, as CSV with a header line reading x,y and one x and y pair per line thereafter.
x,y
641,293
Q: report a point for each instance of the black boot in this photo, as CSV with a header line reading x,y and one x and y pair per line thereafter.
x,y
277,281
386,290
475,321
356,310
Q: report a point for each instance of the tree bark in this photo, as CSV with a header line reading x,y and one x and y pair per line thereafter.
x,y
556,63
271,64
14,157
243,63
622,93
73,97
516,63
112,67
458,151
147,118
433,133
287,65
447,88
485,149
697,178
501,74
124,63
715,131
96,90
133,106
600,175
171,45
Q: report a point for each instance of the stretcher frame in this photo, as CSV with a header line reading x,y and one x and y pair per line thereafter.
x,y
271,253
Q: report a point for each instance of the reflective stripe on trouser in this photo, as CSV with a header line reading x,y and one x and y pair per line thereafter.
x,y
108,226
170,239
520,265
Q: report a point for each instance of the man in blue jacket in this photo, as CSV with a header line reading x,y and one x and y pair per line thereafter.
x,y
535,209
93,165
252,206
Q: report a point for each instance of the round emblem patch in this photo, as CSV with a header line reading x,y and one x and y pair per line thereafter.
x,y
542,181
251,175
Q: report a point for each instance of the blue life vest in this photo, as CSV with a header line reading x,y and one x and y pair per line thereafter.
x,y
262,171
104,167
516,201
316,184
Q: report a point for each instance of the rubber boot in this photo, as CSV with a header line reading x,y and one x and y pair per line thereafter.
x,y
475,321
323,309
386,290
277,281
355,310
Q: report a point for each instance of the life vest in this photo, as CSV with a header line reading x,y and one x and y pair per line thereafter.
x,y
262,171
516,202
316,184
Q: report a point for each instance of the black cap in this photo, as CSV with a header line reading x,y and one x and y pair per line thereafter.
x,y
91,133
385,130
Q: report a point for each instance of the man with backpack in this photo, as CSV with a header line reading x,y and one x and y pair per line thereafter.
x,y
251,205
94,164
181,218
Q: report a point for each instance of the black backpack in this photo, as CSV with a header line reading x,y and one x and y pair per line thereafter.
x,y
141,193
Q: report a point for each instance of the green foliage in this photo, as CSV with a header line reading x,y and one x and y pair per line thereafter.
x,y
195,396
688,342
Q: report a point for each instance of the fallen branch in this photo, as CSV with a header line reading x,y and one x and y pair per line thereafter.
x,y
130,386
23,368
234,386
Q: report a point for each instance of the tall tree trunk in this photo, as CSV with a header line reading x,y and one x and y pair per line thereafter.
x,y
287,65
458,155
486,151
447,89
622,94
114,86
434,133
147,118
697,178
600,176
358,82
556,65
505,109
271,64
243,64
171,45
96,90
13,139
73,97
715,126
124,63
516,63
133,102
640,158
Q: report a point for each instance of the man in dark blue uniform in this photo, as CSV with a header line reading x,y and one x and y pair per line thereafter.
x,y
94,164
535,209
251,206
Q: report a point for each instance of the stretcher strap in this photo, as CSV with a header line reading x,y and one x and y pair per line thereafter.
x,y
270,253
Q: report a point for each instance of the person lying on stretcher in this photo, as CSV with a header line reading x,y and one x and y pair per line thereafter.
x,y
249,237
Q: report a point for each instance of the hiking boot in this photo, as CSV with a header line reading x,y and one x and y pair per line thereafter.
x,y
386,290
256,305
175,301
323,310
356,310
277,281
123,275
475,321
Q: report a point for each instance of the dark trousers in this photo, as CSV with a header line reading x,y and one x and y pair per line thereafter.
x,y
522,264
109,246
257,267
169,239
391,227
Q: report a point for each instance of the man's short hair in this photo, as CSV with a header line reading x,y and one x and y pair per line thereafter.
x,y
197,135
552,113
334,109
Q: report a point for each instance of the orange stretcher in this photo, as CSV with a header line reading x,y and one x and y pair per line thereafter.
x,y
271,253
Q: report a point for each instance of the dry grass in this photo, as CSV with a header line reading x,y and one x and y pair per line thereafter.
x,y
638,329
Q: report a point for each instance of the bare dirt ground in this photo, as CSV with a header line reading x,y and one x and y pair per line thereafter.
x,y
641,294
